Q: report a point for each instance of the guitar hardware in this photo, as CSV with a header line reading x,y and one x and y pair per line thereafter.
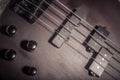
x,y
70,46
96,43
9,30
8,54
33,9
29,45
95,46
62,34
31,71
101,61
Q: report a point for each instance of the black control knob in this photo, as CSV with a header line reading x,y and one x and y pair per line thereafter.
x,y
29,45
30,70
8,54
9,30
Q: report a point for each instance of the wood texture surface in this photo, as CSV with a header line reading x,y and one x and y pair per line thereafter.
x,y
69,61
3,4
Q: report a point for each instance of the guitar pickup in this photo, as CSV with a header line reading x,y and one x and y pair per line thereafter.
x,y
30,10
61,37
94,41
63,33
100,62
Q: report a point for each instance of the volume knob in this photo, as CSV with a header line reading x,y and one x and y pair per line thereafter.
x,y
9,30
30,70
8,54
29,45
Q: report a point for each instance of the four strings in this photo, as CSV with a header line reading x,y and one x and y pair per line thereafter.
x,y
57,20
87,23
80,32
85,26
73,23
46,13
42,21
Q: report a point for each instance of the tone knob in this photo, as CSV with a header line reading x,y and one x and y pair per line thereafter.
x,y
30,70
9,30
8,54
29,45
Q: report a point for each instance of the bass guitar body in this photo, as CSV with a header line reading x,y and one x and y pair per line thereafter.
x,y
60,40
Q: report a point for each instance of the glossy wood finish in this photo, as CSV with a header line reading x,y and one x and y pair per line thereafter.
x,y
67,62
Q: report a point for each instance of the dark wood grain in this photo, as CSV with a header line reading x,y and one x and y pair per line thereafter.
x,y
3,4
67,62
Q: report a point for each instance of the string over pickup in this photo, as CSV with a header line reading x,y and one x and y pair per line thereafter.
x,y
95,40
101,61
63,33
30,10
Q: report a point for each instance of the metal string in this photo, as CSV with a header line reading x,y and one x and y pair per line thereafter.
x,y
81,28
84,35
78,26
73,37
88,24
67,18
53,30
55,21
64,27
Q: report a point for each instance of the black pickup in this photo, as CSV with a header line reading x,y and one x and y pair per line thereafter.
x,y
95,40
30,10
101,56
62,34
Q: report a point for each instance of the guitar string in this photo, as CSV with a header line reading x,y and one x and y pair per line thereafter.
x,y
78,26
58,34
83,30
68,20
113,67
107,43
71,36
99,32
88,24
58,22
93,39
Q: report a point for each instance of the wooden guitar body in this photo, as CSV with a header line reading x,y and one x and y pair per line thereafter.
x,y
68,61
